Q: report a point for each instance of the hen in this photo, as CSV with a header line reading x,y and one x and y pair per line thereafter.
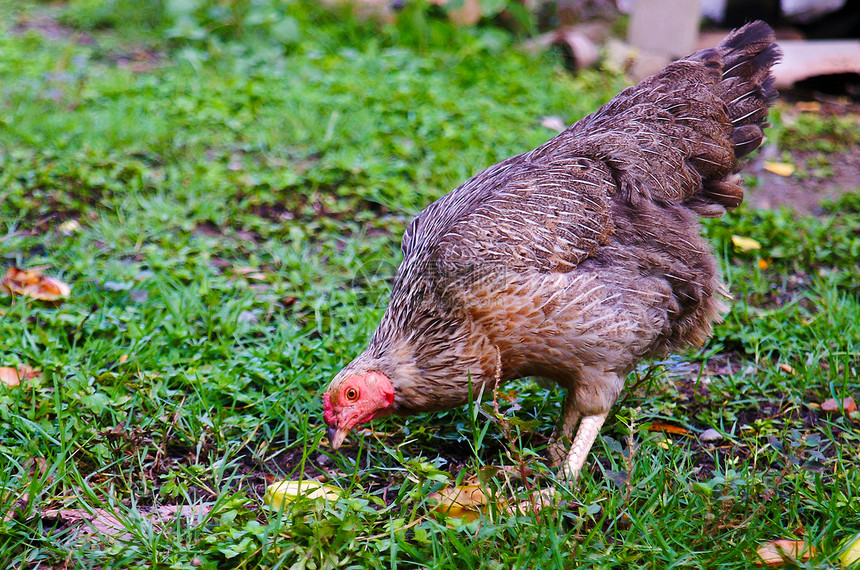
x,y
574,261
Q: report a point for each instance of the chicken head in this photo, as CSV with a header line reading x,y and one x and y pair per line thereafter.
x,y
355,399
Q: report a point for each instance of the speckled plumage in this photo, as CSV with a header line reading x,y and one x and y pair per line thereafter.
x,y
578,259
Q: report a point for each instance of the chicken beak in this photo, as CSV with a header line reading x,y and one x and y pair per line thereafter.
x,y
336,436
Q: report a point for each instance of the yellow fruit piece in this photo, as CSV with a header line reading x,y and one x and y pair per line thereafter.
x,y
284,492
463,502
779,168
745,244
851,555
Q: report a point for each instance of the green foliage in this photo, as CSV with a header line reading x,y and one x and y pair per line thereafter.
x,y
228,209
230,20
209,24
126,14
812,131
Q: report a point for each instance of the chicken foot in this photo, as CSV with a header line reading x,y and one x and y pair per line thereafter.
x,y
570,462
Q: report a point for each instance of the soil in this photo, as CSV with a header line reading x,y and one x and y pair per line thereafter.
x,y
803,195
805,190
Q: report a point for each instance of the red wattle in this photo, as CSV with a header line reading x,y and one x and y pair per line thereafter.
x,y
328,411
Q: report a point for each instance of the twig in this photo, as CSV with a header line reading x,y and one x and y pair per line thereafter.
x,y
9,235
498,378
628,460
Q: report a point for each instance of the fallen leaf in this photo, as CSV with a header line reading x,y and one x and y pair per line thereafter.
x,y
763,264
831,406
745,244
667,428
13,376
507,396
710,434
106,523
851,554
781,552
779,168
463,502
32,283
808,106
282,493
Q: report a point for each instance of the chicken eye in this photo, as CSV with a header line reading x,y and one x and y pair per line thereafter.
x,y
352,394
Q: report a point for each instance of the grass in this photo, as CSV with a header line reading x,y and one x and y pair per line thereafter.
x,y
227,208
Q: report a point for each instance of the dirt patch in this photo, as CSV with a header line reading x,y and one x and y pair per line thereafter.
x,y
819,175
50,29
804,191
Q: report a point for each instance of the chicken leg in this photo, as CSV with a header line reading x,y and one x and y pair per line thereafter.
x,y
571,459
587,432
569,462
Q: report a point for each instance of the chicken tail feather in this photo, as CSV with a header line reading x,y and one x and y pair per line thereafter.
x,y
746,86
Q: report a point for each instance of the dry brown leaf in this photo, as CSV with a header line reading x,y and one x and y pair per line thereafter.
x,y
13,376
667,428
32,283
463,502
784,551
104,522
808,106
831,406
